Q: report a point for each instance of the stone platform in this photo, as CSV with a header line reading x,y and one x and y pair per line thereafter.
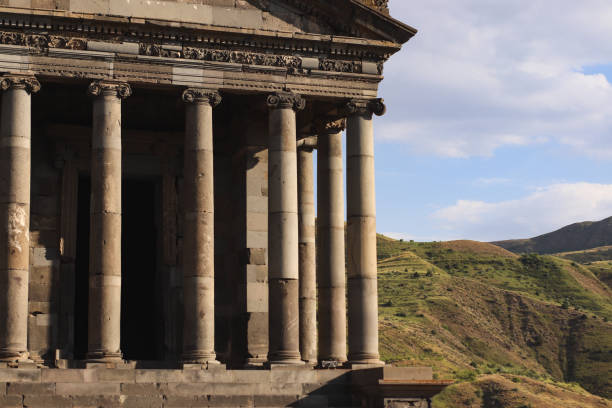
x,y
387,387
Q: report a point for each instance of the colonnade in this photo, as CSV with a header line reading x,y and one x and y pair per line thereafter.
x,y
295,273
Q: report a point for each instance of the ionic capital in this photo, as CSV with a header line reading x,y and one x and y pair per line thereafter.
x,y
120,90
366,107
198,95
308,143
29,83
326,126
286,100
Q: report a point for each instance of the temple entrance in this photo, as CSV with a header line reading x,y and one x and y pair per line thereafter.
x,y
141,321
141,307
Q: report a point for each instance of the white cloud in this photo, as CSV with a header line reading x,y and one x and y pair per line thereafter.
x,y
542,211
481,75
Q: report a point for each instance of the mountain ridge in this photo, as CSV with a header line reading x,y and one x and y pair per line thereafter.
x,y
574,237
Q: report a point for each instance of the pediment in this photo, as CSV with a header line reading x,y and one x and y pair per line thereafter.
x,y
367,19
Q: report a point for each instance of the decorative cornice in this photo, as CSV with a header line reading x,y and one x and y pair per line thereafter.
x,y
29,83
380,5
198,95
366,107
286,100
330,125
120,90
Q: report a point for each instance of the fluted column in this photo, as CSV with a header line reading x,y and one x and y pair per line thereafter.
x,y
283,229
198,241
15,157
104,334
331,272
307,251
361,200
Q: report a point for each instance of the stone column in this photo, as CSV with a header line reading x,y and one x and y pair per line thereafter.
x,y
199,231
104,323
283,230
331,270
15,143
362,284
307,252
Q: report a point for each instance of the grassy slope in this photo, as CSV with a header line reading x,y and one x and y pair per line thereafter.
x,y
468,308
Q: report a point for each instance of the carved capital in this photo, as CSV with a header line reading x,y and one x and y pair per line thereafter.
x,y
308,143
197,95
286,100
29,83
366,107
330,125
120,90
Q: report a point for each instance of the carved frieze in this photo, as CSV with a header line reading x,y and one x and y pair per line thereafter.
x,y
41,41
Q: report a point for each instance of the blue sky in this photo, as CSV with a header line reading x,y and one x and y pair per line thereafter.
x,y
499,120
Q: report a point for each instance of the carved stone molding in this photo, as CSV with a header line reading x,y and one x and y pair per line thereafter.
x,y
330,125
120,90
29,83
197,95
366,107
286,100
42,41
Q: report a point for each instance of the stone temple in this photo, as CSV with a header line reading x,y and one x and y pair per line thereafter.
x,y
157,216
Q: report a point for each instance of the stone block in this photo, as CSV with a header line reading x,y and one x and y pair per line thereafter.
x,y
40,293
257,256
47,206
30,388
257,239
93,388
295,375
35,307
44,275
256,204
43,239
276,400
47,401
10,401
96,401
45,256
257,221
257,297
142,389
257,273
313,401
133,401
179,401
230,401
19,375
115,375
64,376
159,376
252,376
43,223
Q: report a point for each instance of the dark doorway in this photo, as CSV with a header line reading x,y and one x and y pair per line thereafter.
x,y
141,320
81,293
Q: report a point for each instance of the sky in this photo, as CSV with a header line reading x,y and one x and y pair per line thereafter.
x,y
499,122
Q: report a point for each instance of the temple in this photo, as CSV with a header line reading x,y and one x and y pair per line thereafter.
x,y
157,203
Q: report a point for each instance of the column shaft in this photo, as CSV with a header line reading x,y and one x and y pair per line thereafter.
x,y
283,256
307,253
198,244
104,333
362,274
15,157
331,272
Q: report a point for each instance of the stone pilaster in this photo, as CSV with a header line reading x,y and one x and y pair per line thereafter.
x,y
199,231
331,272
283,229
104,333
361,240
15,158
307,251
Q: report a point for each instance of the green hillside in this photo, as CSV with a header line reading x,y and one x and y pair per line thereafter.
x,y
575,237
471,309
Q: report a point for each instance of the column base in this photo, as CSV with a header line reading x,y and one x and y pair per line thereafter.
x,y
364,359
200,357
12,355
286,358
104,357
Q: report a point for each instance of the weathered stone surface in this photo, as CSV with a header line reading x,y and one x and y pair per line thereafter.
x,y
30,388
